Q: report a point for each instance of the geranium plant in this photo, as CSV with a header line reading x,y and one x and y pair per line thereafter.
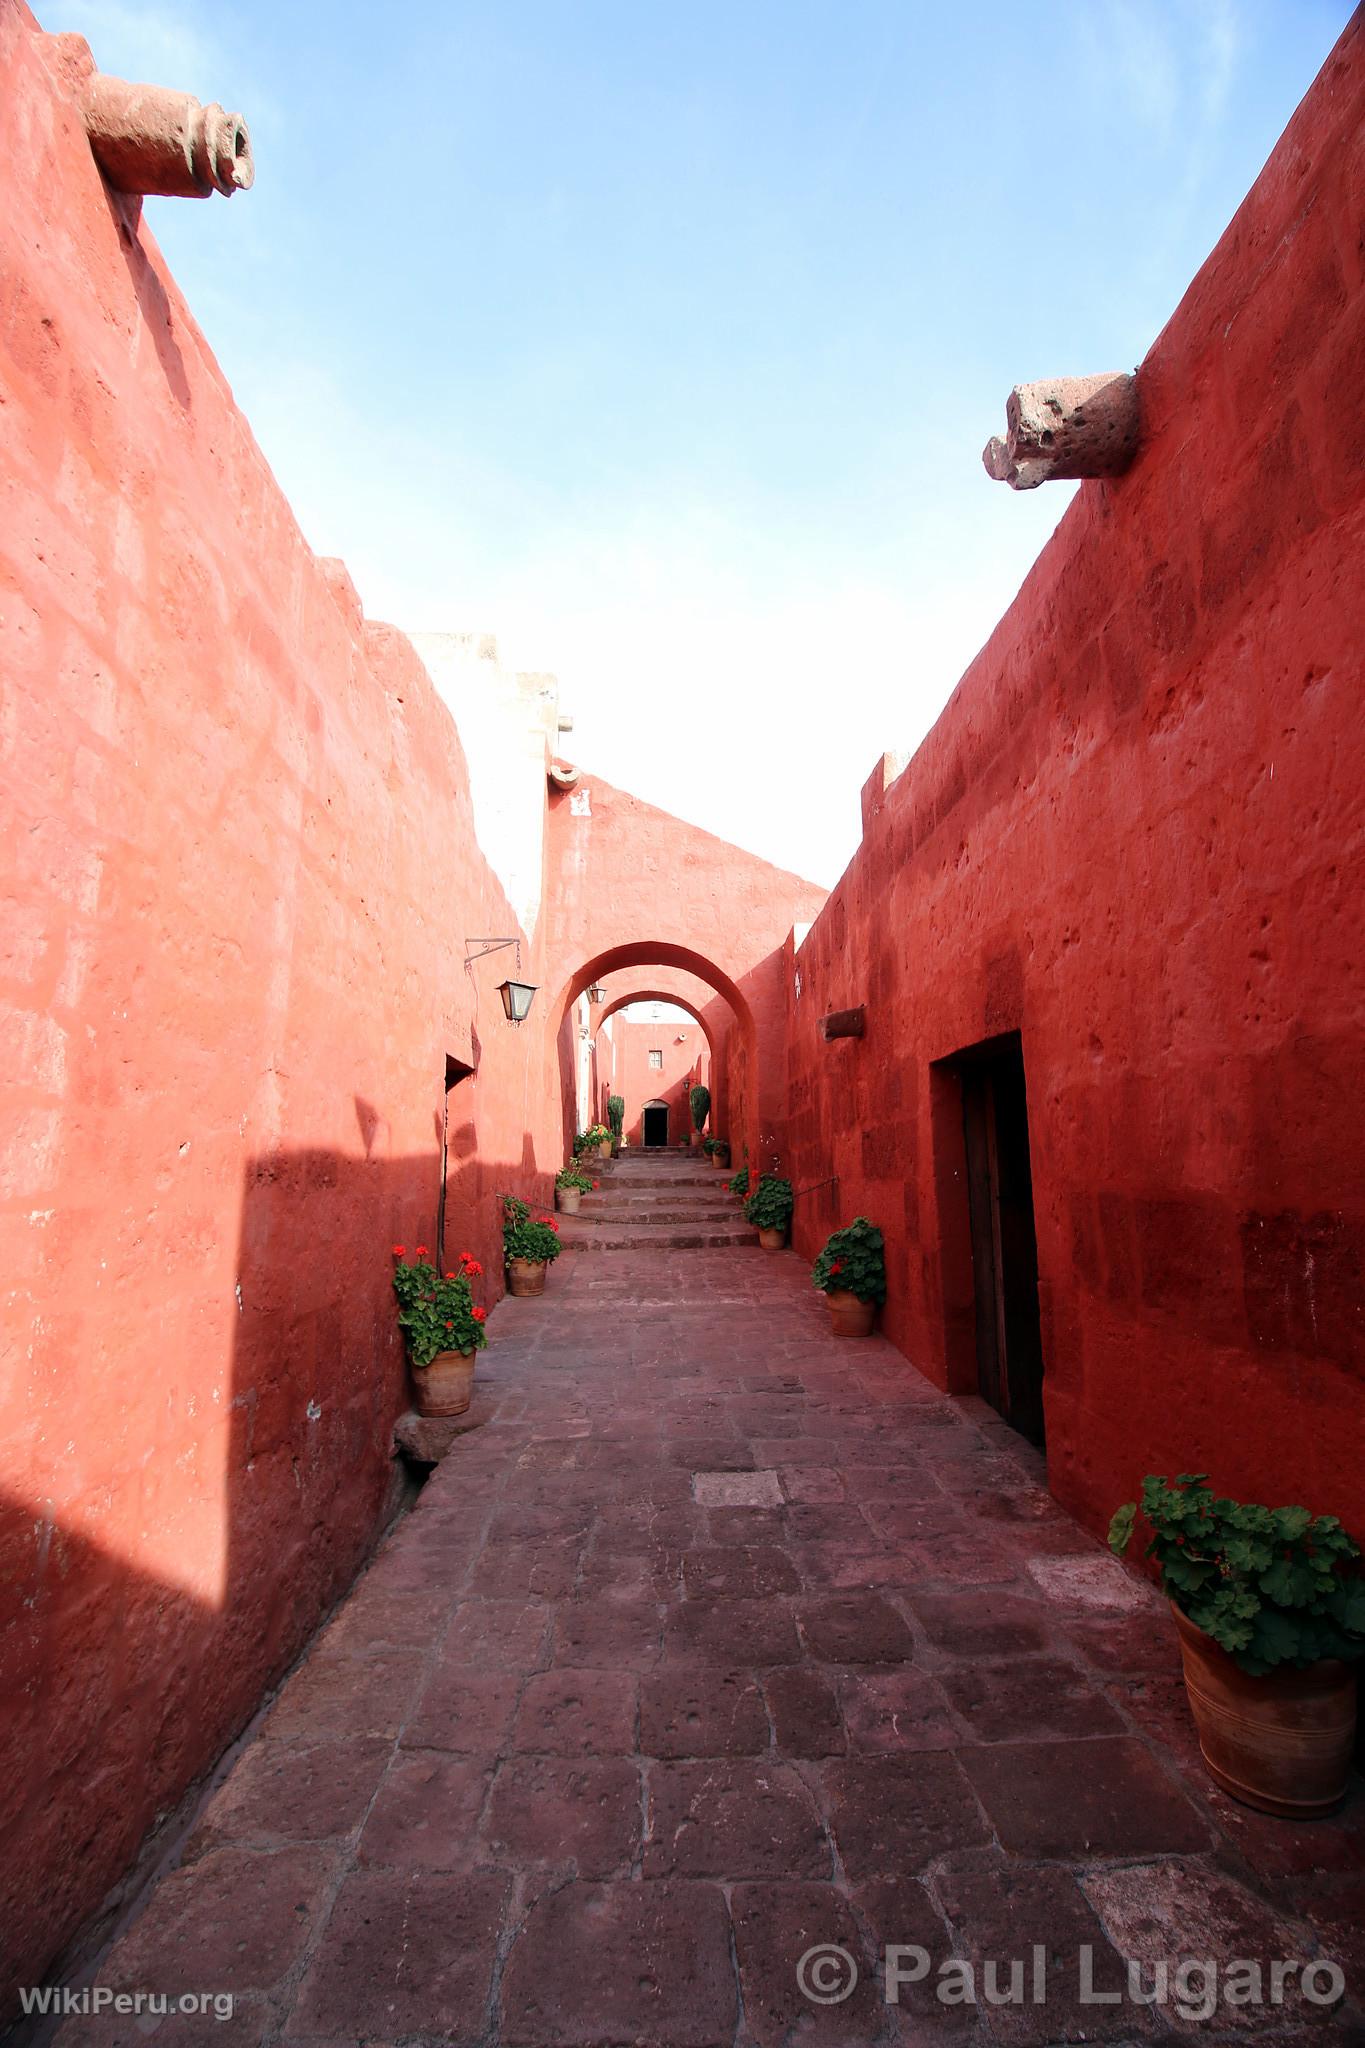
x,y
1273,1586
770,1205
575,1177
437,1311
586,1141
853,1262
738,1183
525,1236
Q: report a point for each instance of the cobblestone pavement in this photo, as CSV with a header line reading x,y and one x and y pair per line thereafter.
x,y
719,1642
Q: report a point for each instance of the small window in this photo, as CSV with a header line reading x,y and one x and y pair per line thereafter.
x,y
656,1059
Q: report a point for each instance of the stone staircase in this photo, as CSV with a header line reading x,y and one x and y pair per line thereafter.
x,y
664,1201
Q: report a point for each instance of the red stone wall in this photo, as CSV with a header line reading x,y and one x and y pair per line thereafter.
x,y
686,1059
1135,836
235,896
631,887
239,878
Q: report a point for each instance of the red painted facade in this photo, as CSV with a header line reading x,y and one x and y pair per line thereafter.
x,y
240,876
627,1068
631,889
1135,838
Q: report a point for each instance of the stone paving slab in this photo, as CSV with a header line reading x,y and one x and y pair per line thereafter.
x,y
722,1640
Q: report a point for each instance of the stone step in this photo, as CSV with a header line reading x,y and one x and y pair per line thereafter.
x,y
659,1209
627,1218
700,1184
666,1168
577,1236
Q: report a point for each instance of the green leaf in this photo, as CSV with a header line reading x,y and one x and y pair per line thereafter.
x,y
1274,1638
1121,1527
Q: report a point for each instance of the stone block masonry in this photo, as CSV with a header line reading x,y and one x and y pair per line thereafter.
x,y
243,1056
239,872
1134,839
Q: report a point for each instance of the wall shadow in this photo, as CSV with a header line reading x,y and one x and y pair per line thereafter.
x,y
121,1687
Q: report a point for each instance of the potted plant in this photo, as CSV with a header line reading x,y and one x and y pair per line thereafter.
x,y
616,1119
597,1138
699,1103
571,1184
529,1244
769,1207
442,1326
1269,1606
717,1151
738,1183
851,1274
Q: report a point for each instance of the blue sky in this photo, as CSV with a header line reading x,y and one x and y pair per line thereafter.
x,y
663,341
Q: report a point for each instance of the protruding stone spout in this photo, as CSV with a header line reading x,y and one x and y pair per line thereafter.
x,y
1066,427
147,138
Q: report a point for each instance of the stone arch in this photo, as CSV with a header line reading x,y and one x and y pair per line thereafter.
x,y
715,1066
646,953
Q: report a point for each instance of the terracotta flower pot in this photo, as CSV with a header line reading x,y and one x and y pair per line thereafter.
x,y
717,1160
604,1149
849,1317
1281,1743
568,1200
526,1276
446,1386
694,1141
772,1240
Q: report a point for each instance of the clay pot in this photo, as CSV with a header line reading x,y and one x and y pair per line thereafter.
x,y
849,1317
718,1159
772,1240
1281,1743
446,1386
604,1149
568,1200
526,1276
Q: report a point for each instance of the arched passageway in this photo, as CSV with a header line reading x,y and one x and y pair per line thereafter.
x,y
727,1023
651,1056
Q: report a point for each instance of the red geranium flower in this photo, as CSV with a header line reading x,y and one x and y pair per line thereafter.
x,y
419,1251
450,1326
478,1314
398,1250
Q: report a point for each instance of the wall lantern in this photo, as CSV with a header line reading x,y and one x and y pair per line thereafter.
x,y
596,994
516,995
516,999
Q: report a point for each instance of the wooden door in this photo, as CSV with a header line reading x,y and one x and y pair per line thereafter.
x,y
1009,1347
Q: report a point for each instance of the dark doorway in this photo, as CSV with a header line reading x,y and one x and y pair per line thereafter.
x,y
656,1123
1009,1344
456,1071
